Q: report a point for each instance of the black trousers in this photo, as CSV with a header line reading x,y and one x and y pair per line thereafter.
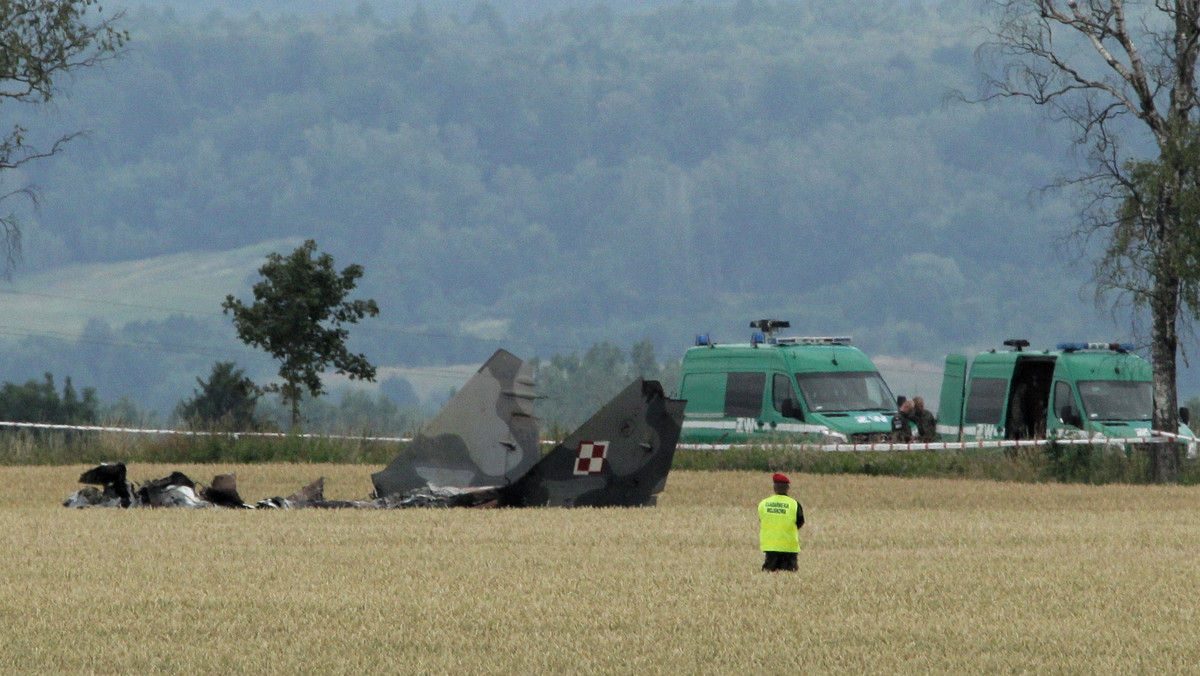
x,y
780,561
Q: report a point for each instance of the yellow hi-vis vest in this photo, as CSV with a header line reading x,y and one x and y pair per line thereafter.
x,y
777,524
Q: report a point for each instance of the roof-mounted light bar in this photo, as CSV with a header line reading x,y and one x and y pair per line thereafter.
x,y
1104,347
813,340
765,335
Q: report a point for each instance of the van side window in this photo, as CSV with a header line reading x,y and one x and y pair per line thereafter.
x,y
985,401
706,392
1064,405
744,394
782,392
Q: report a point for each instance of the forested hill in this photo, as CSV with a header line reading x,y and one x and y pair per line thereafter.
x,y
588,174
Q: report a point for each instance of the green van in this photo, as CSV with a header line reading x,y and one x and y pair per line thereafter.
x,y
775,389
1078,390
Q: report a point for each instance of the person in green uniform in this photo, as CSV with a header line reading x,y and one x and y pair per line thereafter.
x,y
779,521
924,420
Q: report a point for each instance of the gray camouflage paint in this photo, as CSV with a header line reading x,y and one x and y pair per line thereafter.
x,y
485,435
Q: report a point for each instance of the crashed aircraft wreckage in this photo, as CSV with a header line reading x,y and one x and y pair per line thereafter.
x,y
486,435
481,450
178,490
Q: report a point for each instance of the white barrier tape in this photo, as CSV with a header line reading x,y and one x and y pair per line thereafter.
x,y
1175,437
1155,438
193,433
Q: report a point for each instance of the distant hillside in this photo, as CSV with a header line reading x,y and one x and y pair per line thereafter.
x,y
584,173
192,284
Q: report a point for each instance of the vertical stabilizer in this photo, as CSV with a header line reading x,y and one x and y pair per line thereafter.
x,y
618,458
485,435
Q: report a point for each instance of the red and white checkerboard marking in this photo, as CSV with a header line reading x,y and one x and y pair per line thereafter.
x,y
589,459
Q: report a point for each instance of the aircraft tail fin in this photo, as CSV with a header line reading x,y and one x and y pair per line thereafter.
x,y
618,458
485,435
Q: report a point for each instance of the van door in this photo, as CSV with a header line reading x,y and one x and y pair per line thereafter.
x,y
954,387
723,407
1029,398
744,396
983,416
785,405
1067,418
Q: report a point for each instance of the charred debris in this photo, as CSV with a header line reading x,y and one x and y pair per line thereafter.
x,y
110,487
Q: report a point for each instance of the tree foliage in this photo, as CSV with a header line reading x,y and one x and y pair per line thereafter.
x,y
41,42
1138,248
39,402
226,400
297,316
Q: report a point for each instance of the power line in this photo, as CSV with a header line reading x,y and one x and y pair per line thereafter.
x,y
133,344
99,301
365,328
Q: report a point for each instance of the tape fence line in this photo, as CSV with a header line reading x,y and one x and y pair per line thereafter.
x,y
193,433
1156,436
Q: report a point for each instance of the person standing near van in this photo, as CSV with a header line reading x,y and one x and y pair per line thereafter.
x,y
780,519
901,431
924,420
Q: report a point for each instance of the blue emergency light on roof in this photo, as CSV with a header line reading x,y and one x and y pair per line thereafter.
x,y
1114,347
757,338
702,340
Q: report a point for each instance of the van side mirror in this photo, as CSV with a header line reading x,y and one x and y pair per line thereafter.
x,y
791,409
1185,415
1071,417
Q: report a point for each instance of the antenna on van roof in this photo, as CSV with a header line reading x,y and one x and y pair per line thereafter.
x,y
769,326
1017,343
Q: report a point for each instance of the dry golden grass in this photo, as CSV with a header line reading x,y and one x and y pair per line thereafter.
x,y
897,576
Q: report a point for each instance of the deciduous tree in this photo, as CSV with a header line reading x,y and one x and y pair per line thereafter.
x,y
297,316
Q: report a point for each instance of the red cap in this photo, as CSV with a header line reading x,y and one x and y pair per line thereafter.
x,y
780,479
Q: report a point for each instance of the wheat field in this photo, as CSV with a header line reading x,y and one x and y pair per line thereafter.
x,y
897,576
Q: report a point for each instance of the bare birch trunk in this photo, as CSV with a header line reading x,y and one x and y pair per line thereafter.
x,y
1164,457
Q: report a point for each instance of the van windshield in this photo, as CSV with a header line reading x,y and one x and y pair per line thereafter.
x,y
1117,399
845,391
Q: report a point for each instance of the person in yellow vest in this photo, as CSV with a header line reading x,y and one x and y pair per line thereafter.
x,y
780,519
